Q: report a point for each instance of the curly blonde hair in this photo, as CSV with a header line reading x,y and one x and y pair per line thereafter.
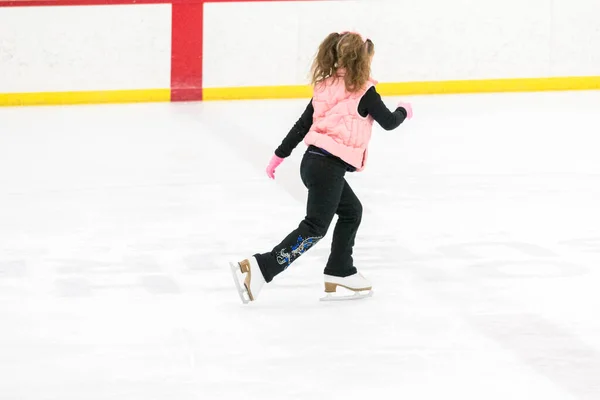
x,y
347,51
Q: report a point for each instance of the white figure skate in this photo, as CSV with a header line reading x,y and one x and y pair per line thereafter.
x,y
248,278
356,283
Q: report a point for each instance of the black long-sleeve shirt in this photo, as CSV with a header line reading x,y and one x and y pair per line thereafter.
x,y
370,104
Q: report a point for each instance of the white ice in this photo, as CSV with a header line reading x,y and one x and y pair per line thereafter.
x,y
481,233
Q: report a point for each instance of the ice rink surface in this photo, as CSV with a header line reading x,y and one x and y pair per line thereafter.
x,y
481,234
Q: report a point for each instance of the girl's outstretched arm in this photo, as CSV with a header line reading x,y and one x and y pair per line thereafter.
x,y
297,133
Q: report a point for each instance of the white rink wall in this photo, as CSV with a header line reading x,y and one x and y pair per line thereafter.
x,y
53,49
259,44
73,48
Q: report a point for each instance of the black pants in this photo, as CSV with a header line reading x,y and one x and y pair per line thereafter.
x,y
328,194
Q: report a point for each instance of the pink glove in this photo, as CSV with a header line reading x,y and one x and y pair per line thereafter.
x,y
408,108
275,161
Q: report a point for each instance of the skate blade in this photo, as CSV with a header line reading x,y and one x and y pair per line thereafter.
x,y
355,296
235,268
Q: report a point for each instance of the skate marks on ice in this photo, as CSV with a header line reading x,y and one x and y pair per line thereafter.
x,y
93,276
528,260
89,281
547,346
520,259
145,265
173,275
90,278
476,287
13,269
585,245
550,349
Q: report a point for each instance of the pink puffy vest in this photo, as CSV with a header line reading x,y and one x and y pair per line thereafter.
x,y
337,126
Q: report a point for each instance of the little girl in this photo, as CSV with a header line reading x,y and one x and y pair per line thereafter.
x,y
336,126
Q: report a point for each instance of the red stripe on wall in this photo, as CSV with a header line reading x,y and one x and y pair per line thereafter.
x,y
186,53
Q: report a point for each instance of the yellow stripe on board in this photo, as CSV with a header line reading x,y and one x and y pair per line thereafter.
x,y
490,86
92,97
304,91
416,88
257,92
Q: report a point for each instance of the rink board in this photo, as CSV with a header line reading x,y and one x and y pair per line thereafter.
x,y
116,51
